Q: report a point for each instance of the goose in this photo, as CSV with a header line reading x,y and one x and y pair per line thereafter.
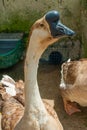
x,y
37,114
73,85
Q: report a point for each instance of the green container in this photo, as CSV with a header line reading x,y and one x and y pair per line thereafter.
x,y
11,49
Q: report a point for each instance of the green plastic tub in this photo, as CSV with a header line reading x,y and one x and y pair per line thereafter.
x,y
11,49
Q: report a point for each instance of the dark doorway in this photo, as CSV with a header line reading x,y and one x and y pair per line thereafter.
x,y
55,57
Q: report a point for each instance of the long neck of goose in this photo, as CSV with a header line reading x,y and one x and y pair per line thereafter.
x,y
32,95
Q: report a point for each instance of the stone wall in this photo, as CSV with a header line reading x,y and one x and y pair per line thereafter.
x,y
20,14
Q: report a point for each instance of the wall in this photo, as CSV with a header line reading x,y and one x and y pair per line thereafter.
x,y
20,14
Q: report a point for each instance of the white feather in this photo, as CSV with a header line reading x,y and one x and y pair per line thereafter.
x,y
69,60
9,85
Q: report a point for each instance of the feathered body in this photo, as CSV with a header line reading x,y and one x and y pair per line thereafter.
x,y
74,85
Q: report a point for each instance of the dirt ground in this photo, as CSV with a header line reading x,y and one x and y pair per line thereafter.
x,y
48,80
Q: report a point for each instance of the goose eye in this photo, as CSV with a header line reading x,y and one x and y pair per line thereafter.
x,y
41,25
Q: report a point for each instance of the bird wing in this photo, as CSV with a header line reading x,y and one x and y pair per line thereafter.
x,y
12,112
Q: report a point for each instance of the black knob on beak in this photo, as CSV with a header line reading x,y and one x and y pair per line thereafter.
x,y
52,16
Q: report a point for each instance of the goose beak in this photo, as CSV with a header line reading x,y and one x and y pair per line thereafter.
x,y
56,27
61,29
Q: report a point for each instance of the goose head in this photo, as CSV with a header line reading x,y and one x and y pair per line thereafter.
x,y
49,29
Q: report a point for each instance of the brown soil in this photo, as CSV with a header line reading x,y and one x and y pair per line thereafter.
x,y
49,79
